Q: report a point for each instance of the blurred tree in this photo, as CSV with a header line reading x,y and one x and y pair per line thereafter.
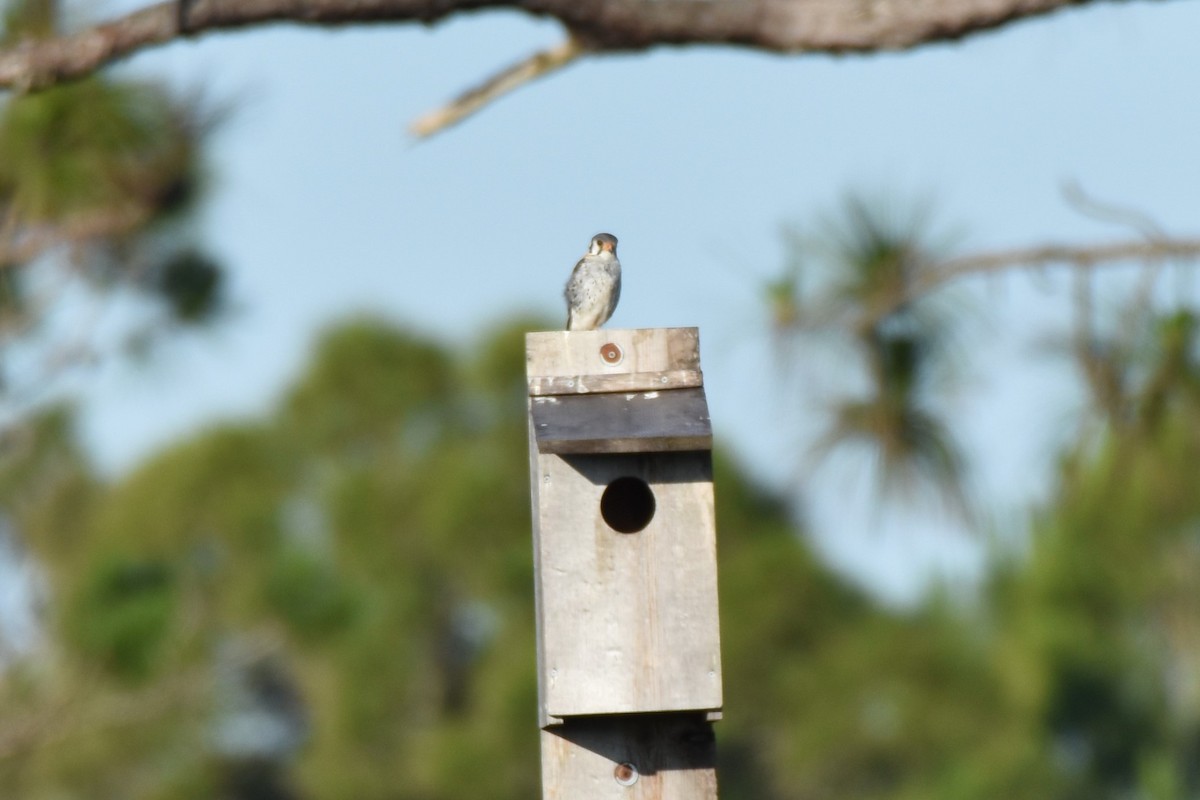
x,y
336,602
863,266
876,287
97,180
1086,652
1105,600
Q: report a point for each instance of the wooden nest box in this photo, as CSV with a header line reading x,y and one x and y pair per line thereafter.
x,y
624,537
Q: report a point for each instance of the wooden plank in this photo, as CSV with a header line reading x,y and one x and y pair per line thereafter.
x,y
618,360
622,423
632,757
627,622
620,382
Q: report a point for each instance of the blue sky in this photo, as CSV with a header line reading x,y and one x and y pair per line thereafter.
x,y
695,158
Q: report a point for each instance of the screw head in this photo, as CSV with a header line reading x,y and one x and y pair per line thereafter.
x,y
625,774
611,354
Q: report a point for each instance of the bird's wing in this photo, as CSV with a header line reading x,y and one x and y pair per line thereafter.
x,y
571,292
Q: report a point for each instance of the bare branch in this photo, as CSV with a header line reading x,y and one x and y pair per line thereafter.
x,y
1046,255
1143,295
21,246
1102,211
536,66
829,26
1082,257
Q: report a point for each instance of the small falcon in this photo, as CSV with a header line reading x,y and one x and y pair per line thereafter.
x,y
595,285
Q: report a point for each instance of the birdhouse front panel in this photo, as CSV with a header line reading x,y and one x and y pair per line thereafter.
x,y
624,538
627,583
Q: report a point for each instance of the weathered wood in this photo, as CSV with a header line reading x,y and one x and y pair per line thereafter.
x,y
643,422
632,382
636,757
629,663
627,622
630,360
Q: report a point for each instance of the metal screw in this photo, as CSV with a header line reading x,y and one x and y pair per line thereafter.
x,y
611,353
625,774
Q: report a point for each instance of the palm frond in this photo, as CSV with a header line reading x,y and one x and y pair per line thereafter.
x,y
913,447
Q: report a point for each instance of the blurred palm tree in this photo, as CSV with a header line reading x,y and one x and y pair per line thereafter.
x,y
865,264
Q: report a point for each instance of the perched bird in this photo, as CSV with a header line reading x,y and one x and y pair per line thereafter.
x,y
595,285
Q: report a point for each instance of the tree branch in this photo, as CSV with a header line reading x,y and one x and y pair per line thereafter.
x,y
829,26
536,66
19,247
1082,257
1046,255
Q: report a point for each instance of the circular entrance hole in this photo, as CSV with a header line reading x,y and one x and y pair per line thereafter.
x,y
627,505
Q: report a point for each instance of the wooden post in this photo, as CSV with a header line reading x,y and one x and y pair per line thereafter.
x,y
629,665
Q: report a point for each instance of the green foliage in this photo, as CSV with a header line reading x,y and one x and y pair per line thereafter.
x,y
874,253
124,612
191,283
371,386
308,596
29,19
865,267
372,536
94,148
97,180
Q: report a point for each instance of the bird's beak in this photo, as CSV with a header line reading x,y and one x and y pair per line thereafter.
x,y
606,246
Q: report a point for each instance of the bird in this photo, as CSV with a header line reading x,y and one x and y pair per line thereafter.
x,y
595,285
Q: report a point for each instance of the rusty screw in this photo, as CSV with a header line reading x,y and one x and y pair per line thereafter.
x,y
625,774
611,354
